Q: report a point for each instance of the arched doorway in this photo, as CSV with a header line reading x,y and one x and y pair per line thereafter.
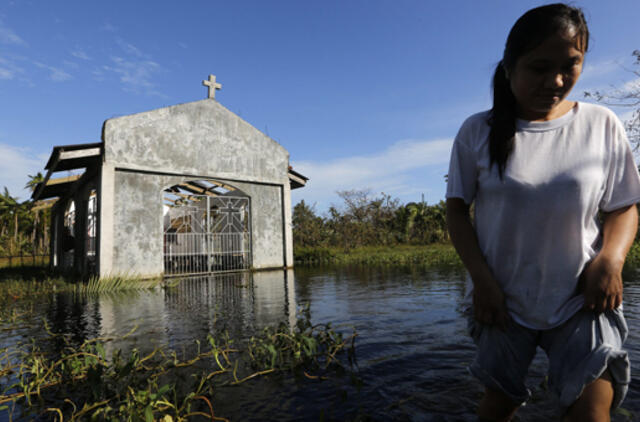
x,y
207,228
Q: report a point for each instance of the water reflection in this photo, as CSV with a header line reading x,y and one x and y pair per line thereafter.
x,y
239,303
412,346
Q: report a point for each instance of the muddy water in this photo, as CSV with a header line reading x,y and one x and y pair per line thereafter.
x,y
412,346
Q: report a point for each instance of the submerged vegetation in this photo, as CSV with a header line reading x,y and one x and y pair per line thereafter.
x,y
85,382
18,283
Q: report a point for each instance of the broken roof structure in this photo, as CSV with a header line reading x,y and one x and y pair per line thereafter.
x,y
185,189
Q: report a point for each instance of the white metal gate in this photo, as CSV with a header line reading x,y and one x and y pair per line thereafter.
x,y
204,234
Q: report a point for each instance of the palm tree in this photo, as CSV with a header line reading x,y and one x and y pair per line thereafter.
x,y
415,212
33,182
12,209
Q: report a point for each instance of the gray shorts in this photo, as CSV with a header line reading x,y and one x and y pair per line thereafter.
x,y
579,351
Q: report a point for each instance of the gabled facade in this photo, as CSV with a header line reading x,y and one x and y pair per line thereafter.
x,y
185,189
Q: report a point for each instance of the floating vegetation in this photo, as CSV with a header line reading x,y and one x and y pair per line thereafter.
x,y
116,283
18,288
314,345
86,383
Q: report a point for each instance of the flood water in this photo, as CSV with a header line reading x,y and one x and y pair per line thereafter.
x,y
412,347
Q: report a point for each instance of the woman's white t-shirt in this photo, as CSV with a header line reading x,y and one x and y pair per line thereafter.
x,y
539,226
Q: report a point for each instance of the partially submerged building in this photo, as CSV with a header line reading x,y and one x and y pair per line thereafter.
x,y
185,189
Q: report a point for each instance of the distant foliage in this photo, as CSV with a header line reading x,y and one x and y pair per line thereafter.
x,y
366,220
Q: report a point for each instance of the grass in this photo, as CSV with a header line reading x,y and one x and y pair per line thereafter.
x,y
434,255
116,283
28,282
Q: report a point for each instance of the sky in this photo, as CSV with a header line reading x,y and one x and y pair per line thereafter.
x,y
364,94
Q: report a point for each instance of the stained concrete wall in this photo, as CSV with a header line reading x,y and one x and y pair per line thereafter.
x,y
199,138
138,223
267,224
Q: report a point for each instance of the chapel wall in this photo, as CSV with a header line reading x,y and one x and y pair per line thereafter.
x,y
198,138
138,245
266,224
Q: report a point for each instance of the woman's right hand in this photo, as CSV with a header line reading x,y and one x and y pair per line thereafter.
x,y
488,299
489,305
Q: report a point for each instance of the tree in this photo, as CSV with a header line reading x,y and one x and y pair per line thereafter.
x,y
12,211
308,228
33,182
626,96
422,223
365,220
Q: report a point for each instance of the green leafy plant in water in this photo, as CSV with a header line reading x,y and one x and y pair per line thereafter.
x,y
308,347
83,383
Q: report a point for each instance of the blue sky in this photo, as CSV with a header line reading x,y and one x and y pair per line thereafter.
x,y
363,94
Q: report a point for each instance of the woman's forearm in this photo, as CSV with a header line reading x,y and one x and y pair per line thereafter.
x,y
489,306
618,232
603,275
465,241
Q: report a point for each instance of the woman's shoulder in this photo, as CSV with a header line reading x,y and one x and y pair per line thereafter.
x,y
601,118
477,119
591,111
474,130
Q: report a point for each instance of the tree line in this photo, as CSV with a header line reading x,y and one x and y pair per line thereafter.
x,y
366,220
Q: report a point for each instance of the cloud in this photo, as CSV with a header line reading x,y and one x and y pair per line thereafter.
x,y
7,36
80,54
56,74
108,27
631,87
599,69
135,74
15,166
98,75
71,64
131,49
134,68
609,76
627,115
9,69
388,171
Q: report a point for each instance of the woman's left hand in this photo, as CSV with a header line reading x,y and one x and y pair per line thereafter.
x,y
602,279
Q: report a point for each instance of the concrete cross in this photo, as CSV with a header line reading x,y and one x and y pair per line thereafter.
x,y
213,85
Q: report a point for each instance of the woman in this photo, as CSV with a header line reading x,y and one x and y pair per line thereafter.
x,y
544,270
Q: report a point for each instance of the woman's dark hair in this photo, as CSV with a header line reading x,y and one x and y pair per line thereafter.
x,y
527,33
